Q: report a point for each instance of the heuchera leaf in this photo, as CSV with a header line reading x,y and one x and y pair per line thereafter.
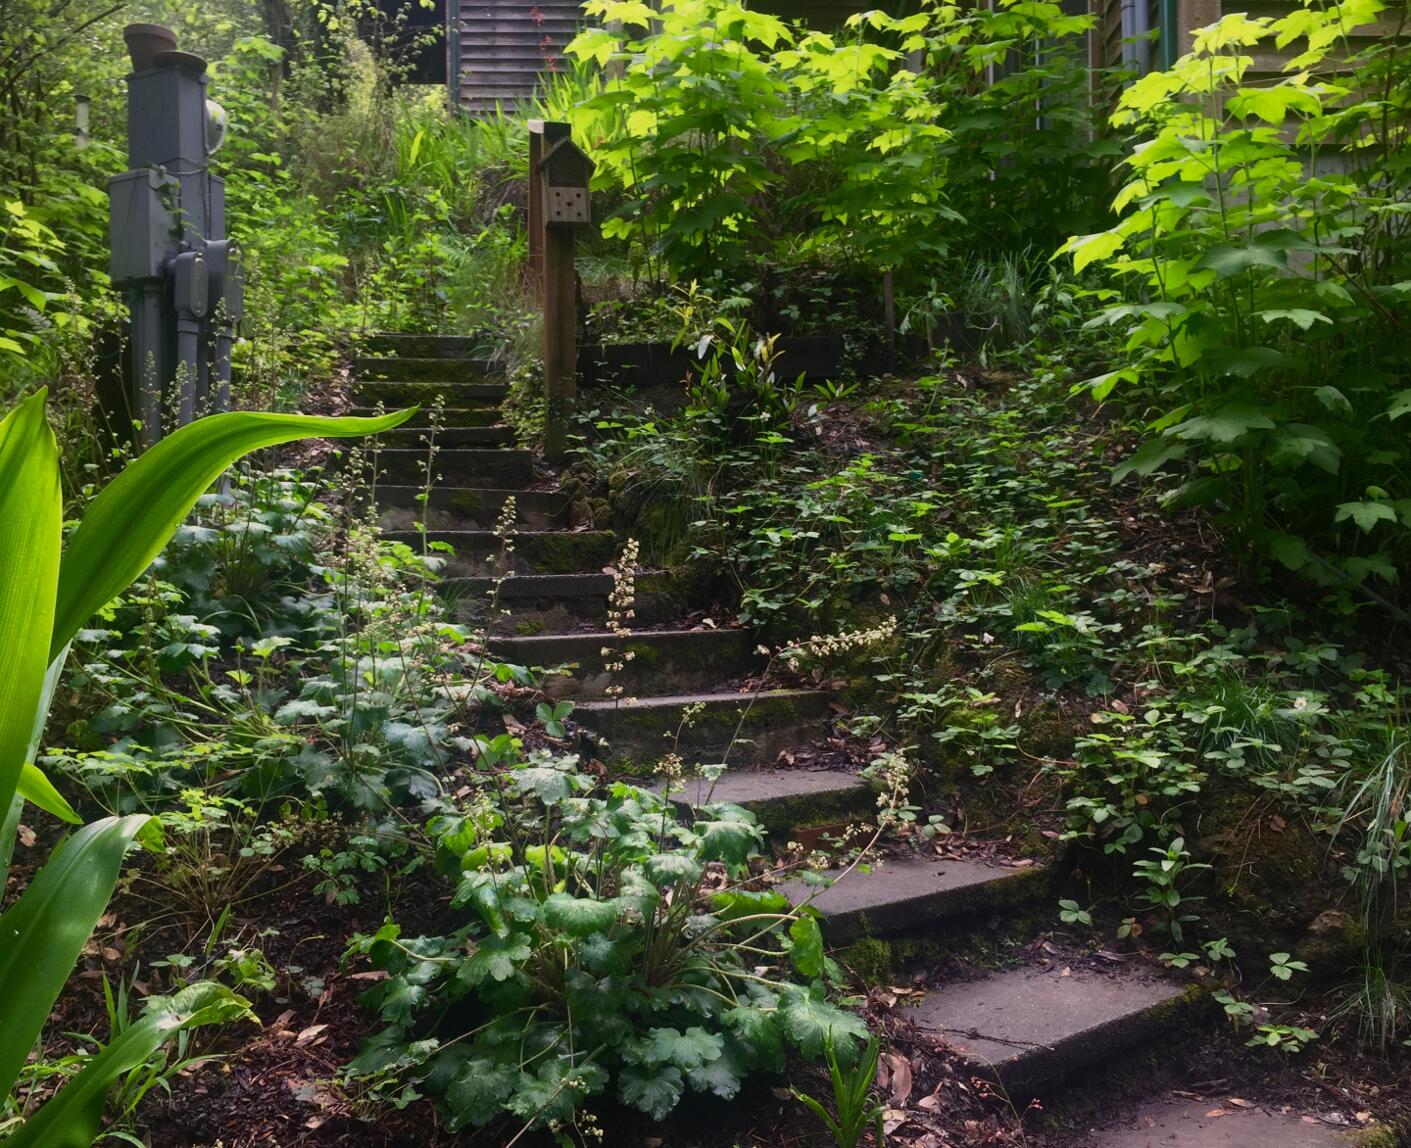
x,y
579,916
654,1091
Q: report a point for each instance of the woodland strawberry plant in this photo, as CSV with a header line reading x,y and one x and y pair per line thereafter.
x,y
1263,259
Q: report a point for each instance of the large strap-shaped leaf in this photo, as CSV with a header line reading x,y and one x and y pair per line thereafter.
x,y
43,933
30,520
127,525
70,1120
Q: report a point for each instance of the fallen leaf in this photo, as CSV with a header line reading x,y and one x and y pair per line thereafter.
x,y
309,1033
900,1078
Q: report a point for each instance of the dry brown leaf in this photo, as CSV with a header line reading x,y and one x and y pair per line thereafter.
x,y
900,1078
309,1033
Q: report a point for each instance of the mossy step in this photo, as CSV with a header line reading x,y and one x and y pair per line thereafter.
x,y
552,603
453,507
676,660
909,894
734,728
461,395
1030,1027
477,552
784,800
393,343
450,416
460,466
449,438
407,369
1179,1121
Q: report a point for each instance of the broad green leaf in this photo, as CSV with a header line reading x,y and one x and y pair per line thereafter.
x,y
132,518
1300,317
1400,405
70,1119
30,524
1150,457
728,841
1087,249
1228,424
654,1091
1365,514
810,1020
478,1090
666,868
1334,401
38,790
687,1050
806,952
1289,551
46,929
579,916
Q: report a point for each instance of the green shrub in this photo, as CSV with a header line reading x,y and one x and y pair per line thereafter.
x,y
1263,248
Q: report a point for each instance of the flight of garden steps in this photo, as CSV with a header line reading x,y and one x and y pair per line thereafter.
x,y
1032,1027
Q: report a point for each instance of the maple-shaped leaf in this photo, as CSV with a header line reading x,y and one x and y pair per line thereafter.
x,y
654,1091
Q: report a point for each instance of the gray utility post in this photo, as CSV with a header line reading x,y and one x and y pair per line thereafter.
x,y
166,232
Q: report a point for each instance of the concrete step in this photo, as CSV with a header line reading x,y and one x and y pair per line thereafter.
x,y
556,603
450,416
535,552
906,895
1030,1027
784,800
395,344
394,394
1180,1122
460,507
450,437
407,369
489,467
679,661
737,729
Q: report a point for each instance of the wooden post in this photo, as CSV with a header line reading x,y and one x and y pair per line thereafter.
x,y
536,210
559,292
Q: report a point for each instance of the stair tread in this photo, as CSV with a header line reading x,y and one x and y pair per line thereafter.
x,y
1180,1122
751,787
1032,1025
671,701
905,893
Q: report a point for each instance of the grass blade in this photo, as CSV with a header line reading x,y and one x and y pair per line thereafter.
x,y
127,525
46,929
30,522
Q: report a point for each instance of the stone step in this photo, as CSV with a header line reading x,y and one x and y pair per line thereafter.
x,y
450,437
477,552
556,603
908,894
396,394
450,416
784,800
490,467
391,343
1180,1122
407,369
1030,1027
737,729
675,660
452,507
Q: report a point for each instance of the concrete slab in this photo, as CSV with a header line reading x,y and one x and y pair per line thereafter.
x,y
1030,1026
1179,1123
735,728
905,895
785,799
